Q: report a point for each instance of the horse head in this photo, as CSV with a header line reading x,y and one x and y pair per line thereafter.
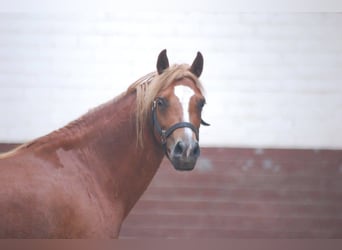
x,y
176,113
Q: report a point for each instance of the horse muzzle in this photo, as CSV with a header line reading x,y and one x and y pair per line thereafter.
x,y
183,154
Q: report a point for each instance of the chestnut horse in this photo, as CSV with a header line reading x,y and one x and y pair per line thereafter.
x,y
82,180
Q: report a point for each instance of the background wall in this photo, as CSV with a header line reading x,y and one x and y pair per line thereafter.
x,y
272,79
242,193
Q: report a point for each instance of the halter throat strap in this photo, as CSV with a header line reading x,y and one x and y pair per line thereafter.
x,y
164,134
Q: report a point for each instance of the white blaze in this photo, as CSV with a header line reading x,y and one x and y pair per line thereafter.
x,y
184,93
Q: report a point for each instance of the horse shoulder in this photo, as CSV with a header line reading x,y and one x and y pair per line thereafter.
x,y
42,198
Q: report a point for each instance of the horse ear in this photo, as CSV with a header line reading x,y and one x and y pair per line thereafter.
x,y
162,62
197,65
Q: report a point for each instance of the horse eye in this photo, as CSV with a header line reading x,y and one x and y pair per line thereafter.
x,y
161,102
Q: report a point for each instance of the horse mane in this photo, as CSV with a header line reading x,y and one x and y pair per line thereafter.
x,y
148,87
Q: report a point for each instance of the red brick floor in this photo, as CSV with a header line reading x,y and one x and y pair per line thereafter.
x,y
243,193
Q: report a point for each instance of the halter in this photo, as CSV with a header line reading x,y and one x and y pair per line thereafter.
x,y
164,134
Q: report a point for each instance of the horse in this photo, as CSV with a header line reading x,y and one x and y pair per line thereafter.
x,y
82,180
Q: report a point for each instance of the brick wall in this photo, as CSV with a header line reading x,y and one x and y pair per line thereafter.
x,y
272,79
243,193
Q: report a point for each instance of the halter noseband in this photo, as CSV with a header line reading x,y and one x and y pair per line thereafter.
x,y
164,134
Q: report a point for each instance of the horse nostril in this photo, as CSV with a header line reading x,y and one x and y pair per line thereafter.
x,y
196,149
179,148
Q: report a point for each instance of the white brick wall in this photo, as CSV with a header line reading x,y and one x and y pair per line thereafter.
x,y
272,79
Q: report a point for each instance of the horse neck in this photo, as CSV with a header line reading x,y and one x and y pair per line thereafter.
x,y
105,141
130,166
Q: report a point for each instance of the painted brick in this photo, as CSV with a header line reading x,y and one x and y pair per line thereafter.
x,y
273,79
243,193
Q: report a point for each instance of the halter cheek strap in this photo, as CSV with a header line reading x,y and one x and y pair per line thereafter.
x,y
164,134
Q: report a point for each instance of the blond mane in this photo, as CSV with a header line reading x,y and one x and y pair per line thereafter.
x,y
148,87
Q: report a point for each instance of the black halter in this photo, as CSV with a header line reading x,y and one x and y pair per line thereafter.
x,y
164,134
